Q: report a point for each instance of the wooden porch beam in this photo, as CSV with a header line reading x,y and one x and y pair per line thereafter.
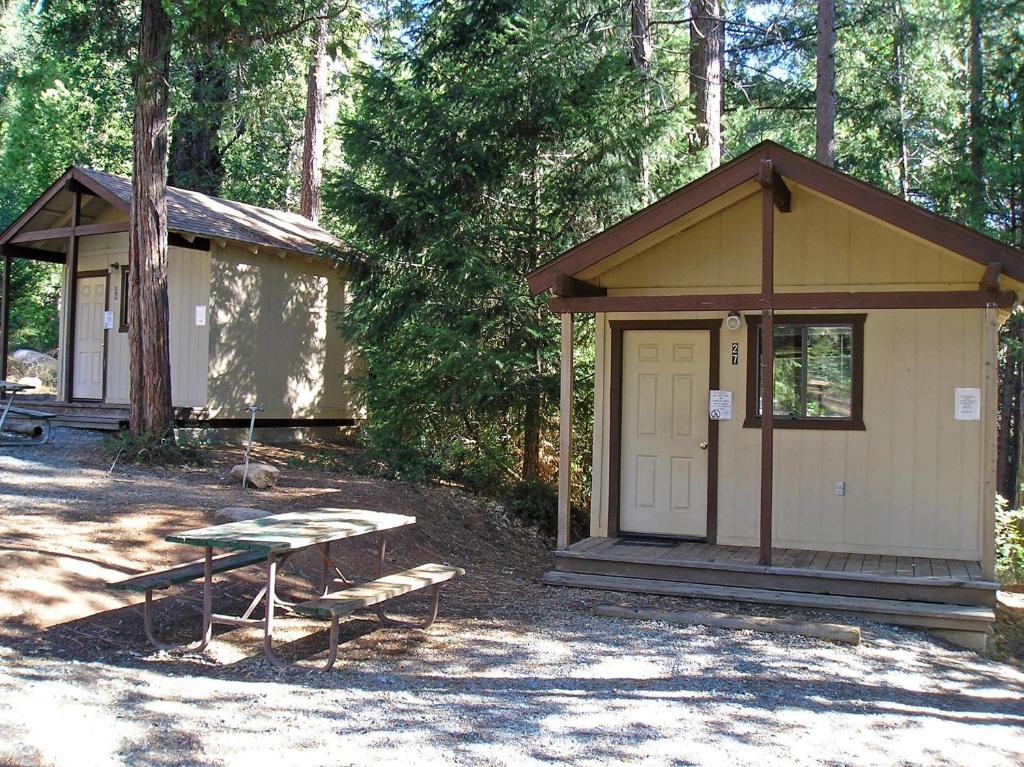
x,y
31,254
565,435
567,286
71,299
770,179
67,231
5,315
990,279
767,372
738,302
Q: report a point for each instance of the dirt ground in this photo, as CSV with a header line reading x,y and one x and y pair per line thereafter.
x,y
512,673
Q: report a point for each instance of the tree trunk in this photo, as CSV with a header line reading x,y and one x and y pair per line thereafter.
x,y
313,146
975,118
196,159
825,133
707,60
531,437
641,49
150,359
899,47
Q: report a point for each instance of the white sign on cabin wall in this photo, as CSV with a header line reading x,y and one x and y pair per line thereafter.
x,y
108,320
720,405
968,405
200,316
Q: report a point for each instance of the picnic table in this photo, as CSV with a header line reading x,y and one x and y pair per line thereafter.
x,y
269,541
8,391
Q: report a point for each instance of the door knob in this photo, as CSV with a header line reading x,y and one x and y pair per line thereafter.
x,y
703,445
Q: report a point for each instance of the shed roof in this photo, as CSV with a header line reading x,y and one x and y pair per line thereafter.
x,y
832,183
197,214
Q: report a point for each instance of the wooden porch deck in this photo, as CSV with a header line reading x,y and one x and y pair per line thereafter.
x,y
798,559
948,596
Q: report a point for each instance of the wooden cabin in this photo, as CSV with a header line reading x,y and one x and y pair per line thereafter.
x,y
254,300
869,323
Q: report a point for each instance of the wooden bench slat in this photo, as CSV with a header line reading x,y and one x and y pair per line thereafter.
x,y
189,571
367,594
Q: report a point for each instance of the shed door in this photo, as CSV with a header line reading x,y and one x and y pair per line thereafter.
x,y
89,336
665,389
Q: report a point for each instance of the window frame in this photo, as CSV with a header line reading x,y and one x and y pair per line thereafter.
x,y
856,420
122,310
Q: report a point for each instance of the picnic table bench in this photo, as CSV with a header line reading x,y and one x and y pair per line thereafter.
x,y
40,434
270,541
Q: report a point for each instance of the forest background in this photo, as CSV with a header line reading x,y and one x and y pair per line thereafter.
x,y
468,141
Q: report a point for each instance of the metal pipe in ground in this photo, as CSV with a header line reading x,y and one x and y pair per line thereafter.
x,y
253,410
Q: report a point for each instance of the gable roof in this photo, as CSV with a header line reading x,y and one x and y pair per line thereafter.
x,y
199,214
790,165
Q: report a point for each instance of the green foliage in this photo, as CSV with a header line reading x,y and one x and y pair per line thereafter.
x,y
535,503
1009,545
495,136
153,450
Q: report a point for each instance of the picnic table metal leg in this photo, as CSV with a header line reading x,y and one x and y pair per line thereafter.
x,y
435,594
148,610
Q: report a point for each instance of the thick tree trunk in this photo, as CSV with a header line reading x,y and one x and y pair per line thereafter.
x,y
707,64
150,359
825,113
641,50
531,437
975,117
313,147
196,159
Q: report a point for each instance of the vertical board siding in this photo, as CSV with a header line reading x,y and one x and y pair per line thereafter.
x,y
913,484
274,338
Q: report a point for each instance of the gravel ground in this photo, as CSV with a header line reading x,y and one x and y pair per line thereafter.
x,y
512,673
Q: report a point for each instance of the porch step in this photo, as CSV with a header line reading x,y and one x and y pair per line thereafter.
x,y
647,565
100,423
79,415
973,619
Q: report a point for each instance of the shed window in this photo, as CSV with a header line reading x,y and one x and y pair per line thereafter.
x,y
819,372
123,318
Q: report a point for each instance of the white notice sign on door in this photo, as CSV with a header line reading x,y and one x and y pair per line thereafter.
x,y
108,320
968,405
200,316
720,407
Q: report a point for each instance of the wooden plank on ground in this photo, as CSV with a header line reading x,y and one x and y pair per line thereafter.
x,y
834,632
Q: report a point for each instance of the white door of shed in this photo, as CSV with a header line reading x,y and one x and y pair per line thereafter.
x,y
91,301
665,389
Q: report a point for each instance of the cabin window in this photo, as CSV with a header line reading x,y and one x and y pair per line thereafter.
x,y
819,372
123,312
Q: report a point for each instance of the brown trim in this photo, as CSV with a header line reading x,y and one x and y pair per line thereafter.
x,y
33,254
769,179
856,420
5,314
738,302
72,265
828,181
243,423
767,441
990,279
97,189
122,307
616,328
60,233
52,191
570,287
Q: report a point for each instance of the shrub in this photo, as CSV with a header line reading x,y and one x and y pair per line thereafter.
x,y
149,450
1009,545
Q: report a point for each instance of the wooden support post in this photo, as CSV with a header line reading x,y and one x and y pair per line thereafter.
x,y
5,316
71,301
767,372
565,435
989,436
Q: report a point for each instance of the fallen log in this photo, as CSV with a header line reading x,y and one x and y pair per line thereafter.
x,y
27,428
834,632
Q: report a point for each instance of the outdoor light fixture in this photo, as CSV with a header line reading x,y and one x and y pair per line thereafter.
x,y
733,321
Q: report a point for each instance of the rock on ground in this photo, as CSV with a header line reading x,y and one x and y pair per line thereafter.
x,y
29,357
238,514
261,475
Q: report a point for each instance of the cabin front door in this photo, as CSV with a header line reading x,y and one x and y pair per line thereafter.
x,y
91,302
664,433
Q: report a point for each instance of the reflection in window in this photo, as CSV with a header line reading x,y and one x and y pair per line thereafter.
x,y
813,371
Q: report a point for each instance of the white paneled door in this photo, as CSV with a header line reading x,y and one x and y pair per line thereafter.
x,y
665,389
89,336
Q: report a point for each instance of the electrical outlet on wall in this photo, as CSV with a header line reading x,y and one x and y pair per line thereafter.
x,y
840,488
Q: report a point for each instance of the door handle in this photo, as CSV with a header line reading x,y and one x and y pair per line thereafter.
x,y
703,445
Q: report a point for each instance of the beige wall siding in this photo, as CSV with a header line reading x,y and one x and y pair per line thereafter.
x,y
274,338
188,281
819,245
913,479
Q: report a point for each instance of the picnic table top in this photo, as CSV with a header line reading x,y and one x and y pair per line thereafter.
x,y
14,386
293,530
